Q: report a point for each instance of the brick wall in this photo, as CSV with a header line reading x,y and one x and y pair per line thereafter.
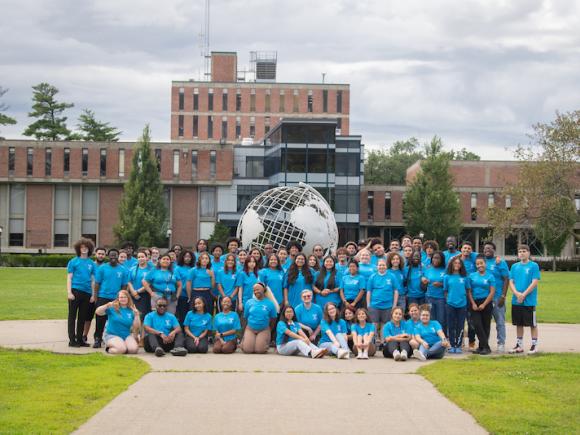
x,y
184,215
39,215
109,198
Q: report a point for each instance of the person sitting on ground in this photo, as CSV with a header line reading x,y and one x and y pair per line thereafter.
x,y
309,315
396,337
348,316
334,332
430,336
122,318
291,339
260,313
363,333
226,324
197,327
163,333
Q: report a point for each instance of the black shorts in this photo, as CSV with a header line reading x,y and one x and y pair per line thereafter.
x,y
524,316
91,312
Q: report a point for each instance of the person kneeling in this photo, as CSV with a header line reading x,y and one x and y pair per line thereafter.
x,y
226,325
291,339
260,314
396,337
430,336
197,325
163,333
122,317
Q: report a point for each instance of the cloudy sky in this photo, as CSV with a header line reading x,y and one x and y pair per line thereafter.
x,y
476,73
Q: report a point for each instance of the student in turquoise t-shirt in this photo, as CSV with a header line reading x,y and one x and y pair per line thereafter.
x,y
480,294
226,281
524,278
309,316
334,332
363,333
226,325
396,337
433,276
291,340
273,276
430,336
123,323
298,278
162,331
197,327
327,284
260,314
455,285
353,285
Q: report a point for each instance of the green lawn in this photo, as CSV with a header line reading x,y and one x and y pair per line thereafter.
x,y
42,392
41,294
539,394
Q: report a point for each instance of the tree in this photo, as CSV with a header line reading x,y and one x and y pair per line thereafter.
x,y
431,205
50,124
220,233
142,211
464,154
543,196
94,130
5,119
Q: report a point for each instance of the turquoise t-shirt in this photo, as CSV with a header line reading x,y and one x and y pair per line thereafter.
x,y
382,289
246,283
522,275
309,317
164,324
197,323
281,329
258,313
352,285
332,297
368,328
392,330
456,287
227,279
164,282
119,323
429,331
82,270
200,278
336,327
481,284
499,272
434,275
111,280
295,289
223,322
273,278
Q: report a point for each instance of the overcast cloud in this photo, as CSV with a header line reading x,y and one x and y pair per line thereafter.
x,y
476,73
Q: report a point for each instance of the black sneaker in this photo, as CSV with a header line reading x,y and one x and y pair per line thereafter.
x,y
85,339
159,351
83,344
97,344
476,351
178,351
485,352
73,344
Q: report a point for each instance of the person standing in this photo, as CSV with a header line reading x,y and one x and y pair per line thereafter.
x,y
501,274
480,294
137,275
162,282
455,285
433,276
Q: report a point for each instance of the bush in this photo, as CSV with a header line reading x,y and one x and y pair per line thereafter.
x,y
30,260
568,264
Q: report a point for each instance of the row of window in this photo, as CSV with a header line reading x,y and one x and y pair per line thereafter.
x,y
267,102
210,122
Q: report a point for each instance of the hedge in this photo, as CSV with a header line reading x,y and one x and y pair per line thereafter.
x,y
36,260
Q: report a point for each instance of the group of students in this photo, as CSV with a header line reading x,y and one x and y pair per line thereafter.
x,y
413,300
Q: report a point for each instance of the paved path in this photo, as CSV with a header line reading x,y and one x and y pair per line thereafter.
x,y
266,394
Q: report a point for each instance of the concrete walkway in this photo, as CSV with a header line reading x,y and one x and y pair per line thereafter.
x,y
264,394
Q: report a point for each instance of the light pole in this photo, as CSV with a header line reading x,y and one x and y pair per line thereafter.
x,y
168,234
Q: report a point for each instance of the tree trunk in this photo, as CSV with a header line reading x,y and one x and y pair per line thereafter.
x,y
554,263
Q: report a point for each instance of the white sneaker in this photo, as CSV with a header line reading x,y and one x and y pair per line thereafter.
x,y
501,348
365,354
404,355
359,354
397,355
342,354
318,353
533,350
419,355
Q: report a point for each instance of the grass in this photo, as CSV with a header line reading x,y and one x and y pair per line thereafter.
x,y
539,394
30,294
42,392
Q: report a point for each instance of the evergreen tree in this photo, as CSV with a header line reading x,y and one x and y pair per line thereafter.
x,y
431,205
94,130
142,211
50,125
5,119
220,233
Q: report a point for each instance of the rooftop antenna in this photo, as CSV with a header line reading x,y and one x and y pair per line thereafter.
x,y
204,42
323,77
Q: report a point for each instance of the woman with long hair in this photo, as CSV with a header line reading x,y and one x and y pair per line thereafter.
x,y
197,327
291,340
246,280
327,284
298,278
201,280
334,331
162,282
123,324
226,325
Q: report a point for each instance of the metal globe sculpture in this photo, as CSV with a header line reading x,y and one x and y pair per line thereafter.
x,y
288,213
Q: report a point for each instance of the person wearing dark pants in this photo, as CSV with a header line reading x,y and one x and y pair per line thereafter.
x,y
79,283
197,325
396,337
455,284
109,279
226,325
163,333
480,294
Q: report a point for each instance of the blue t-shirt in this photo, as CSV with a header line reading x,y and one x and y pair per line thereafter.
x,y
281,328
398,276
164,324
111,280
162,281
200,278
456,287
258,313
428,332
82,270
138,274
273,278
336,327
382,289
449,255
246,283
130,263
295,289
182,274
227,279
411,325
332,297
352,285
392,330
469,263
481,284
368,328
197,323
414,282
223,322
366,270
375,259
311,317
499,272
119,323
522,275
341,269
434,274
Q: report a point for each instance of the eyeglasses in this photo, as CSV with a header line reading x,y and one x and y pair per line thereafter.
x,y
307,296
161,306
318,249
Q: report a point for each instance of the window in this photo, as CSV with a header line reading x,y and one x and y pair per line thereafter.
x,y
511,245
90,212
508,201
310,101
370,205
346,199
158,158
181,98
210,100
252,126
29,161
207,202
348,164
325,100
61,216
246,194
254,167
473,207
338,125
225,100
193,164
282,106
11,159
195,128
224,127
577,203
48,162
121,162
212,163
252,100
387,205
490,200
238,127
175,163
294,160
238,100
295,106
103,163
66,161
180,125
16,215
267,101
210,127
85,161
339,101
196,99
318,161
266,125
